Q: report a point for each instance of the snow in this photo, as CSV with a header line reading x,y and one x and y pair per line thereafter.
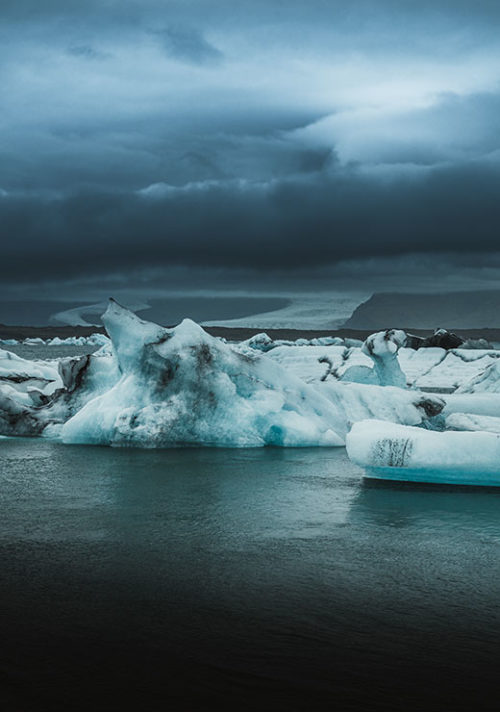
x,y
398,452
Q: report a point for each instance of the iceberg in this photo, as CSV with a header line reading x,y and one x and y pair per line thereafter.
x,y
313,364
487,381
36,397
472,403
391,451
382,348
182,386
263,342
96,339
472,422
259,342
150,386
431,368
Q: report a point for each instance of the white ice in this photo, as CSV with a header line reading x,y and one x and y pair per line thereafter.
x,y
157,387
397,452
96,339
183,387
382,348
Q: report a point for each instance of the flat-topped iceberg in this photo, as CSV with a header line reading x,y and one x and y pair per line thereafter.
x,y
391,451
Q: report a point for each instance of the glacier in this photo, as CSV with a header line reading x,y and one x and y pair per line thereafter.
x,y
157,387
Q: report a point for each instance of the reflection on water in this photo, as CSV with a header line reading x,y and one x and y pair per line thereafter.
x,y
428,507
268,578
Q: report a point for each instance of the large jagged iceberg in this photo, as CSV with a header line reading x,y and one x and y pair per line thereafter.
x,y
392,451
184,387
171,387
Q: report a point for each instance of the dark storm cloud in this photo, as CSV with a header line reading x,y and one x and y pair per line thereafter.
x,y
243,135
289,223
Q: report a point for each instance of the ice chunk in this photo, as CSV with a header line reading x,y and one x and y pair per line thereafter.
x,y
23,374
487,380
309,363
259,342
96,339
471,422
417,364
474,403
36,394
397,452
382,348
263,342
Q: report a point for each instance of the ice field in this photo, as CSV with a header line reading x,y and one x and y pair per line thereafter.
x,y
149,386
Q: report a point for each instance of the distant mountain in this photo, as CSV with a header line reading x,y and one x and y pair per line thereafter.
x,y
454,310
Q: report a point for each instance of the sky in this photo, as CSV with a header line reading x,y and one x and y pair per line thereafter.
x,y
254,146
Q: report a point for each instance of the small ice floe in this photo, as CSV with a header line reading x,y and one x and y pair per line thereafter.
x,y
96,339
390,451
263,342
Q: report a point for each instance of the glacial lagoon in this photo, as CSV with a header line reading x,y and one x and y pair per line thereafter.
x,y
246,579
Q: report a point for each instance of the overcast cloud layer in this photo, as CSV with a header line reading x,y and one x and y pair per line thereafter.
x,y
265,135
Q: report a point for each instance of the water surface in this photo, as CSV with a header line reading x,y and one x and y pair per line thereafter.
x,y
241,579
